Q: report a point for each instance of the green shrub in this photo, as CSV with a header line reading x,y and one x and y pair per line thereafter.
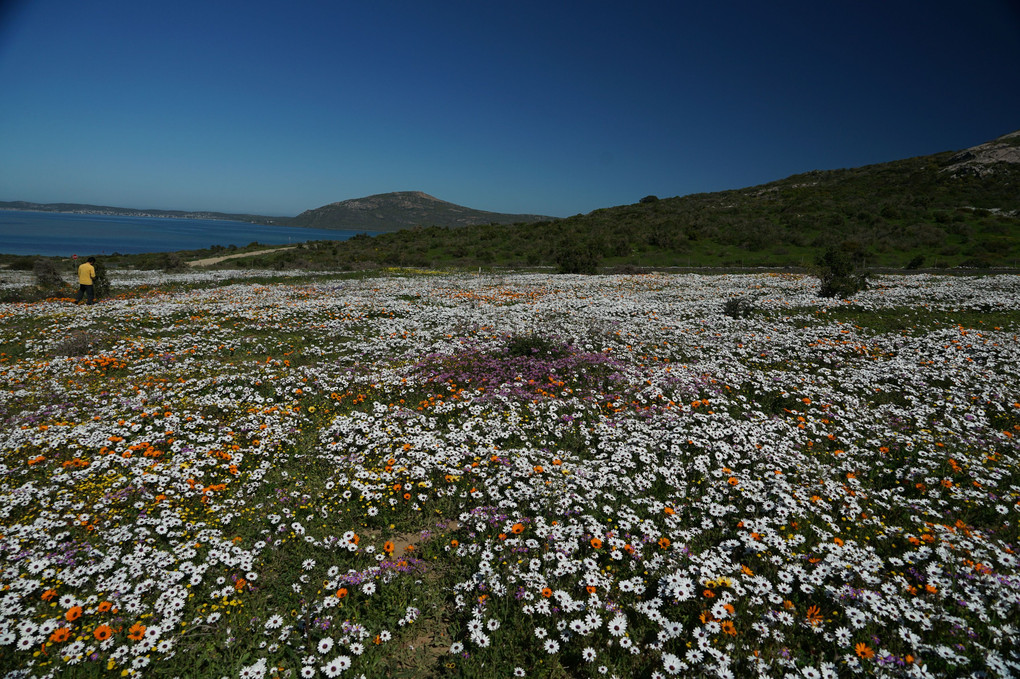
x,y
173,262
101,283
46,274
839,274
578,258
739,307
536,345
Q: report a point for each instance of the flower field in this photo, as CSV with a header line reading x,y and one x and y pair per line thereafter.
x,y
522,475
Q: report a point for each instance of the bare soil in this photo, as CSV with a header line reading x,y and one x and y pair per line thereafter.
x,y
208,261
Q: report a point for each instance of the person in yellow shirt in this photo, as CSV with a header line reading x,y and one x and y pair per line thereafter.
x,y
86,281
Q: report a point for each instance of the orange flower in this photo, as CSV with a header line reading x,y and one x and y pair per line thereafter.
x,y
341,593
136,632
670,511
389,547
49,594
814,615
708,594
73,613
517,529
102,633
732,480
539,469
60,635
546,592
864,651
664,543
591,589
729,628
104,606
596,543
838,541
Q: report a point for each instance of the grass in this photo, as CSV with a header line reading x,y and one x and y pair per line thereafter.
x,y
566,477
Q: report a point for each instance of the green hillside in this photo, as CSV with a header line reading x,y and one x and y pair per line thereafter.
x,y
948,209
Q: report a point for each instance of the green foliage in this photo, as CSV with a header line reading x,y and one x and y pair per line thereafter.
x,y
46,274
101,284
739,307
839,274
536,345
578,258
907,206
173,262
21,263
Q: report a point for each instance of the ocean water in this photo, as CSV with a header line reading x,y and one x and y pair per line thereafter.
x,y
64,235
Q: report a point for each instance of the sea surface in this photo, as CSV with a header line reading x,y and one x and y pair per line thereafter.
x,y
64,235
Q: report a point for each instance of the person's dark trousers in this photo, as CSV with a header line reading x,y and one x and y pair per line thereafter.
x,y
88,291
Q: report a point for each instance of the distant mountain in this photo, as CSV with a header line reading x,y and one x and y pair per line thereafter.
x,y
85,209
401,210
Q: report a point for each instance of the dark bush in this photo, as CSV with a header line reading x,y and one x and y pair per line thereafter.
x,y
536,345
46,274
101,284
739,307
839,274
173,262
79,343
578,258
25,263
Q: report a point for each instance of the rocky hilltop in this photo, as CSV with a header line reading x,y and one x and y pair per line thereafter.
x,y
987,158
400,210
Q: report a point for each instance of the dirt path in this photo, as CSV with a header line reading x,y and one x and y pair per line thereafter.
x,y
216,260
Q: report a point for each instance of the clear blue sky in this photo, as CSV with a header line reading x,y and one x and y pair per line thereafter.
x,y
556,108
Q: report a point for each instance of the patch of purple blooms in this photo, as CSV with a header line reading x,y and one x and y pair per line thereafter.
x,y
534,375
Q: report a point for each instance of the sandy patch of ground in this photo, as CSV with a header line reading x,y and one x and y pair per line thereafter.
x,y
216,260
